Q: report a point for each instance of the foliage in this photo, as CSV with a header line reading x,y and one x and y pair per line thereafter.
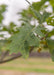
x,y
30,35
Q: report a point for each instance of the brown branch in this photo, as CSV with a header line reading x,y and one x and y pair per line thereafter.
x,y
3,55
31,49
10,59
15,57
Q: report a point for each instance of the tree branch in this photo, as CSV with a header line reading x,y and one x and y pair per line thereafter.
x,y
15,57
3,55
10,59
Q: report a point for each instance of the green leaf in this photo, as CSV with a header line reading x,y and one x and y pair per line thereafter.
x,y
52,3
35,12
38,31
50,21
2,10
20,42
51,33
33,40
38,5
11,29
51,47
26,51
45,16
50,43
